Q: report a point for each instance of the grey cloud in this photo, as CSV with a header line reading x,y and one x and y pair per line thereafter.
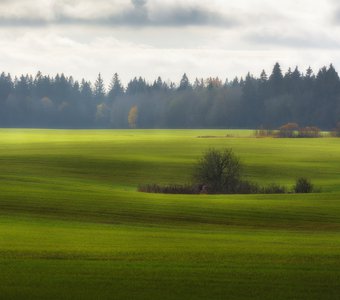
x,y
169,17
186,16
138,14
333,16
336,17
22,22
301,40
139,3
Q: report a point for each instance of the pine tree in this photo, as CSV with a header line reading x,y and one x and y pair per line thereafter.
x,y
276,80
184,83
198,84
116,89
263,76
86,90
309,73
158,84
99,90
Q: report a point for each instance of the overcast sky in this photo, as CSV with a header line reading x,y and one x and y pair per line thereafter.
x,y
167,37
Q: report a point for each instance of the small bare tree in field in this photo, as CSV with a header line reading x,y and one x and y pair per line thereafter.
x,y
219,171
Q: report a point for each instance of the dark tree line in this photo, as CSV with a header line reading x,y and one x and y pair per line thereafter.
x,y
252,102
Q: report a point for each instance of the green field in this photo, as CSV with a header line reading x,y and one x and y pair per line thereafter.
x,y
73,226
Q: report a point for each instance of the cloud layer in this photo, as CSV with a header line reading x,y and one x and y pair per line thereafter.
x,y
137,13
166,37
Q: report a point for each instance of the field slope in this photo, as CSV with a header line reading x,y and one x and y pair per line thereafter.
x,y
72,225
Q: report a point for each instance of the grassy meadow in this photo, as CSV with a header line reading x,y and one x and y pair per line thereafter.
x,y
73,226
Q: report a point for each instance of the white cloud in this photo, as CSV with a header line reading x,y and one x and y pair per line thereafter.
x,y
165,37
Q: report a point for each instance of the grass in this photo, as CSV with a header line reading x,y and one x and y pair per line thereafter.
x,y
73,226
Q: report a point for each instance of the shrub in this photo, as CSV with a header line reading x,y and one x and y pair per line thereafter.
x,y
264,132
303,185
274,189
169,189
247,187
219,170
309,132
336,131
288,130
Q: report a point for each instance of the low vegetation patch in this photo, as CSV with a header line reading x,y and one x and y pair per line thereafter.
x,y
169,189
291,130
336,131
246,187
303,185
220,172
262,132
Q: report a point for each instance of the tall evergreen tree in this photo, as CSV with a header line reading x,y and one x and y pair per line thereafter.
x,y
198,84
184,83
263,77
6,86
276,80
99,90
309,73
86,90
158,84
116,88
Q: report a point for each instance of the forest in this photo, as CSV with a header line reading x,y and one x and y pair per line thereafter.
x,y
266,101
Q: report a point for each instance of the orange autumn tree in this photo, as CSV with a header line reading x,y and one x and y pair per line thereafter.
x,y
133,116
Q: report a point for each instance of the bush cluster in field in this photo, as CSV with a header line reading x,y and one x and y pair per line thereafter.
x,y
169,189
219,172
290,130
293,130
245,187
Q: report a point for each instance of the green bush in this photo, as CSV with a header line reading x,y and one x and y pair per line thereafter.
x,y
219,170
303,185
247,187
288,130
274,189
169,189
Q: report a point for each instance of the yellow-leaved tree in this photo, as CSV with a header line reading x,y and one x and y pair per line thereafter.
x,y
133,116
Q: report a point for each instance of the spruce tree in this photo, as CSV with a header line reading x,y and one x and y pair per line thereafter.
x,y
116,88
99,90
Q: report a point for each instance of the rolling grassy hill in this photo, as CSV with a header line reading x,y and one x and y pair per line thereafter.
x,y
72,225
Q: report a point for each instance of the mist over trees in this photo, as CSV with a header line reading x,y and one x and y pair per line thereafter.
x,y
267,101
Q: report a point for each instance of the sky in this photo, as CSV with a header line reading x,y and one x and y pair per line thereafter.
x,y
166,38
